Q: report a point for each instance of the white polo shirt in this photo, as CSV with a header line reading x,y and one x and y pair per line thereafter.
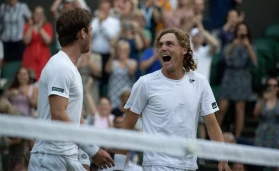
x,y
59,77
172,108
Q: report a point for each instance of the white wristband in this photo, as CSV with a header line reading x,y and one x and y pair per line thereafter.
x,y
120,161
91,149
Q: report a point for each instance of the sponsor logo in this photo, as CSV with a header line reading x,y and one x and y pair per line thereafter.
x,y
61,90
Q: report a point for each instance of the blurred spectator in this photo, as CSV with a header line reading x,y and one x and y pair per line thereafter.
x,y
101,117
149,61
102,35
199,8
104,118
127,11
238,167
13,15
152,15
218,10
144,33
267,107
1,54
15,147
226,33
130,32
124,96
177,17
236,83
118,121
22,94
165,5
203,53
89,65
59,5
38,35
122,70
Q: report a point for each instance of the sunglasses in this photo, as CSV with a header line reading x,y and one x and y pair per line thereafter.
x,y
272,85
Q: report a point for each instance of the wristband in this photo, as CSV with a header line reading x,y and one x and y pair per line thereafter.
x,y
120,161
91,149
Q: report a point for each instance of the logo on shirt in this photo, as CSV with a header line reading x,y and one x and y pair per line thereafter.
x,y
84,156
214,105
191,80
61,90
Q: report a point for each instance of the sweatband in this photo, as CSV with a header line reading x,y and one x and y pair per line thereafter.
x,y
91,149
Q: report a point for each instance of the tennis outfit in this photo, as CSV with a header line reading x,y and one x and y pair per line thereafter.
x,y
59,77
172,108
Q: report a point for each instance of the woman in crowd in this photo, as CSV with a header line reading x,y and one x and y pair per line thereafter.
x,y
22,93
236,84
122,70
267,108
177,17
38,35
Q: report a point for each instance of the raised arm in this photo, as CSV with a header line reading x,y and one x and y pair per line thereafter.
x,y
213,43
54,8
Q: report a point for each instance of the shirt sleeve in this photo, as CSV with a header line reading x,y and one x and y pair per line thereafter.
x,y
208,102
60,82
138,98
147,54
26,11
105,27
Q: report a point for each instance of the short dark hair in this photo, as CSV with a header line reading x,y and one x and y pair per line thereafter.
x,y
70,22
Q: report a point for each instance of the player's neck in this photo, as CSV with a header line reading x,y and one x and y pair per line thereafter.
x,y
174,75
72,52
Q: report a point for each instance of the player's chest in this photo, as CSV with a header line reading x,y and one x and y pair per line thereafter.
x,y
171,98
76,90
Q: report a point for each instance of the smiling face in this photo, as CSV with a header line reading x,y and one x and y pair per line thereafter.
x,y
23,76
170,52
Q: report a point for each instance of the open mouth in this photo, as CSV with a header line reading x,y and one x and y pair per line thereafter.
x,y
166,58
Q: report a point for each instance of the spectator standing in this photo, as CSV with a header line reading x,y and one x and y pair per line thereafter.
x,y
102,35
13,15
122,70
218,10
38,35
267,108
236,84
203,53
22,94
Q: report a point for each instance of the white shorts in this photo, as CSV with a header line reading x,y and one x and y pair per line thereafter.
x,y
48,162
161,168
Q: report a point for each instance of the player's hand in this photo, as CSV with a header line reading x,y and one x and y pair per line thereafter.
x,y
223,166
103,160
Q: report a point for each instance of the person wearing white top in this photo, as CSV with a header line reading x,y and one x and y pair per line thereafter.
x,y
202,53
171,101
61,94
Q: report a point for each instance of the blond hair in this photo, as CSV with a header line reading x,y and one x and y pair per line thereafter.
x,y
184,42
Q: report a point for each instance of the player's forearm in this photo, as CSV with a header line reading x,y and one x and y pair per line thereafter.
x,y
214,132
60,116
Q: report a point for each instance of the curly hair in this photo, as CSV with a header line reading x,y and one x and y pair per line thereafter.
x,y
184,42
